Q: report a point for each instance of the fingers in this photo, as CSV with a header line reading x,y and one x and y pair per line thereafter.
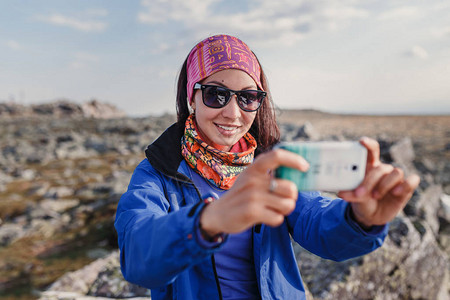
x,y
373,151
387,183
270,217
283,196
407,187
280,157
283,188
372,179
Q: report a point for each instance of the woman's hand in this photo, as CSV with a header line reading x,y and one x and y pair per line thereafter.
x,y
384,191
250,200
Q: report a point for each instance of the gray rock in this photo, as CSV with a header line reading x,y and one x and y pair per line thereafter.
x,y
429,204
101,278
59,205
402,154
407,266
59,192
403,151
38,189
307,132
97,253
97,109
57,295
110,283
444,212
9,233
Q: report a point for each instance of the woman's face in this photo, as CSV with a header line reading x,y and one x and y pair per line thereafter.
x,y
224,127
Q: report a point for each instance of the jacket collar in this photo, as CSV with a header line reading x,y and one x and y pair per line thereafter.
x,y
164,154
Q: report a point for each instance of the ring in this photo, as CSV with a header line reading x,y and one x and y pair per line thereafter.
x,y
273,185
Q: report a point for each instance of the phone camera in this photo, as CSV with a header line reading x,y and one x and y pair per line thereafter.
x,y
354,167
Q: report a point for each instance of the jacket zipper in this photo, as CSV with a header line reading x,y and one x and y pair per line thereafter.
x,y
216,277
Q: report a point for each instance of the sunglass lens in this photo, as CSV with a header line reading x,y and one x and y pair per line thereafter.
x,y
250,101
215,97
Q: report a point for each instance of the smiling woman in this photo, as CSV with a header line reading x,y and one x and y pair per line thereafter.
x,y
204,219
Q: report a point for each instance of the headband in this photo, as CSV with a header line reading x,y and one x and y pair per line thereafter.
x,y
217,53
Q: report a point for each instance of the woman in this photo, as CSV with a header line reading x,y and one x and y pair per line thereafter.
x,y
177,241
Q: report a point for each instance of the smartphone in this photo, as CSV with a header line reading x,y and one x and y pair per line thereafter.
x,y
334,166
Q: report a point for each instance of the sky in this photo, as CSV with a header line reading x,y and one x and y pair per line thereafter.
x,y
348,56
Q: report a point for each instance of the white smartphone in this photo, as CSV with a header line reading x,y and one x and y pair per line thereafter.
x,y
334,166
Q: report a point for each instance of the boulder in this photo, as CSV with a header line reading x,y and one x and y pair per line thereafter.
x,y
408,266
307,132
101,278
402,154
9,232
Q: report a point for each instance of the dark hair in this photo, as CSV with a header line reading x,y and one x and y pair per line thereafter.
x,y
264,128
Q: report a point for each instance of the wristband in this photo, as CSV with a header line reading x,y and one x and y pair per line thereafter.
x,y
217,238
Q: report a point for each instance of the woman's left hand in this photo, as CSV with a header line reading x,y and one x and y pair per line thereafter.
x,y
384,191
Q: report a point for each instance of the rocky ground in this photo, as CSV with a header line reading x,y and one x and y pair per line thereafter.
x,y
61,178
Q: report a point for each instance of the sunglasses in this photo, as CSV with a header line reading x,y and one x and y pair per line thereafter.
x,y
217,97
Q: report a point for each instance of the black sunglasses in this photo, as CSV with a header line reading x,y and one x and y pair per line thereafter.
x,y
217,97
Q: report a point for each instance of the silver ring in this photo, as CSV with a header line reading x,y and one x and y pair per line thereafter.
x,y
272,185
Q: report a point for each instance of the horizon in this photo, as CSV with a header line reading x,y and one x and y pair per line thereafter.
x,y
359,57
278,109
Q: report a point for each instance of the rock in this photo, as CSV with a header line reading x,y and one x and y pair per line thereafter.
x,y
97,253
62,108
55,295
12,109
38,189
97,144
97,109
444,212
402,153
307,132
101,278
425,165
406,267
60,205
430,203
28,174
110,283
9,233
59,192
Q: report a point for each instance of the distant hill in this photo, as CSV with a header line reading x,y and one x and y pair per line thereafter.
x,y
61,109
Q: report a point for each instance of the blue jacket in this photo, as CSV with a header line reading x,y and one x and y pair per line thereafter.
x,y
155,222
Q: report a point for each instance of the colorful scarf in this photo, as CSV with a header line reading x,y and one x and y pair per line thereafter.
x,y
220,168
220,52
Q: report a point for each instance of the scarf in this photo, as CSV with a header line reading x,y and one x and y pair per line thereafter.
x,y
220,168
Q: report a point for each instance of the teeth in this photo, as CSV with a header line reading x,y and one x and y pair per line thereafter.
x,y
226,128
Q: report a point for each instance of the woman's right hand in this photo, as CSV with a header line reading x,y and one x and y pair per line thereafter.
x,y
250,200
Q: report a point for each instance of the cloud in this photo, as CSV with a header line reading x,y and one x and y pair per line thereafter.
x,y
13,45
417,52
263,23
400,13
97,12
441,32
163,47
83,60
74,23
161,11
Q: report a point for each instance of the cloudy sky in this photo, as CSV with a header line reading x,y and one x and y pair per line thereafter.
x,y
362,56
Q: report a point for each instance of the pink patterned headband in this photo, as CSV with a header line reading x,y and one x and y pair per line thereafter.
x,y
218,53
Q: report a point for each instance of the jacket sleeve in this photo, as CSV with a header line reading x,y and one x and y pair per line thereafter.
x,y
155,245
324,227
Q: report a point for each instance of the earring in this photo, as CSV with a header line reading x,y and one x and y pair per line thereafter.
x,y
191,110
